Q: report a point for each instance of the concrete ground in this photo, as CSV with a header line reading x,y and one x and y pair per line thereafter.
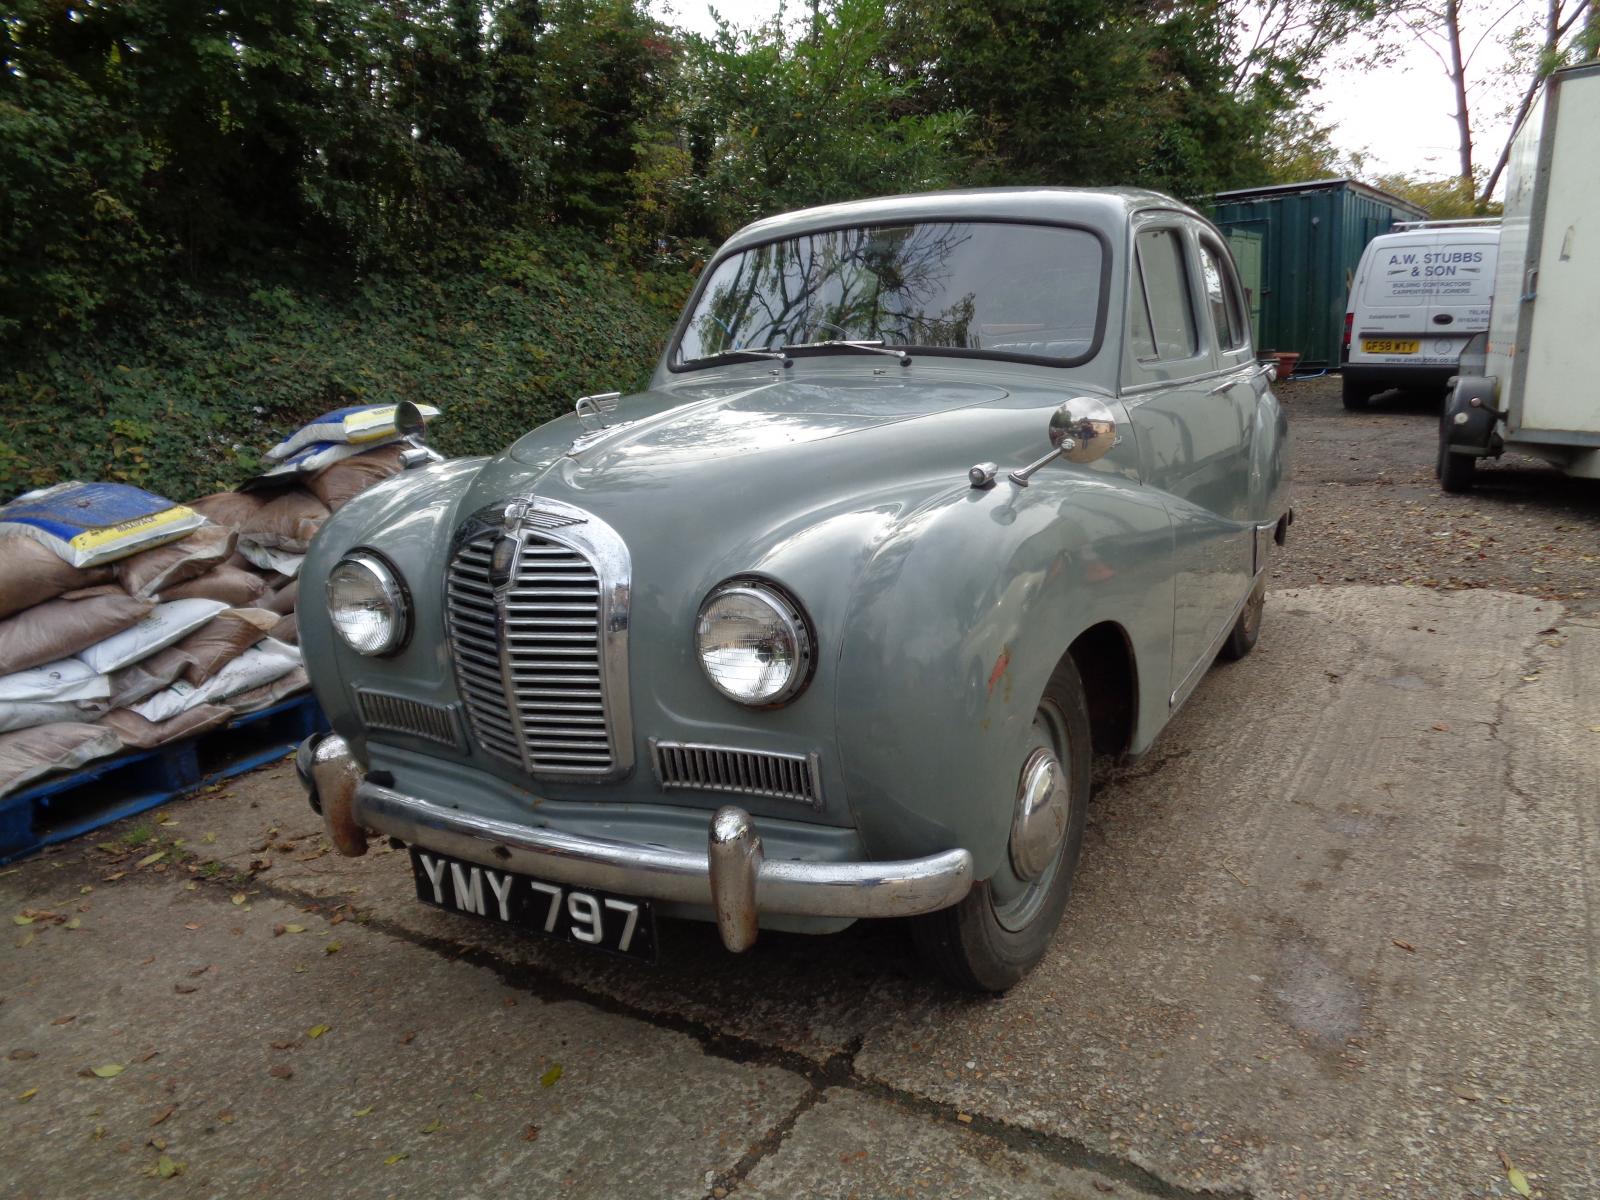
x,y
1335,936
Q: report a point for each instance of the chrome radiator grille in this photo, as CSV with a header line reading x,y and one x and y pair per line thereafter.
x,y
531,656
749,772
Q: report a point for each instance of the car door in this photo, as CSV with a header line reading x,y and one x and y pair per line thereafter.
x,y
1182,395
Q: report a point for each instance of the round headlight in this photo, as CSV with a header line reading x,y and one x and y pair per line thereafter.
x,y
754,643
367,604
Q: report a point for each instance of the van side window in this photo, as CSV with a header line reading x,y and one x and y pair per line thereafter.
x,y
1166,292
1223,300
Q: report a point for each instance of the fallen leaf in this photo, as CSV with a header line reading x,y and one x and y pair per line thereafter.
x,y
289,1045
1594,729
148,1057
292,928
110,1070
964,1118
432,1126
166,1168
73,923
394,1158
158,1143
208,838
362,1112
25,940
1406,946
548,1079
184,989
331,948
282,1072
317,1031
199,971
1438,725
113,877
67,1020
27,1095
86,889
150,859
238,897
405,1038
191,925
22,1055
22,920
531,1133
1517,1180
163,1115
226,1117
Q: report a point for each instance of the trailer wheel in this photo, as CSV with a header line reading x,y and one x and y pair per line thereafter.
x,y
1455,471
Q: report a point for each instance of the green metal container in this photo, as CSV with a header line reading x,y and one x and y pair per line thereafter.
x,y
1297,246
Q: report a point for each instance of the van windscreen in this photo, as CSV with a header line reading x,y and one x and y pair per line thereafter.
x,y
1431,273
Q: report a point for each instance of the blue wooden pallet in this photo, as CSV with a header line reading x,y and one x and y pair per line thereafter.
x,y
65,806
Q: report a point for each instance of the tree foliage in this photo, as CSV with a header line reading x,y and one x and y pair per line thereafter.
x,y
195,195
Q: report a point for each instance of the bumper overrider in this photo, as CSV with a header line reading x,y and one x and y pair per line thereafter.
x,y
732,876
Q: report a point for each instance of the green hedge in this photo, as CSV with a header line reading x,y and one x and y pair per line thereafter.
x,y
184,401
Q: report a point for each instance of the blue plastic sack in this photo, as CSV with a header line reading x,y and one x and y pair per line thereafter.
x,y
365,425
92,523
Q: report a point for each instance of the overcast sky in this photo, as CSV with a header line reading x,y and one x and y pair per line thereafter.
x,y
1399,115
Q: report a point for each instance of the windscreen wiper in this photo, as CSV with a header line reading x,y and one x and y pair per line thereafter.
x,y
707,359
873,346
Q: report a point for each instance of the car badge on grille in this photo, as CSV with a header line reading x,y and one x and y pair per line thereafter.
x,y
503,561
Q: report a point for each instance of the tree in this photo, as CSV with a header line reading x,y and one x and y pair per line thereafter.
x,y
1538,50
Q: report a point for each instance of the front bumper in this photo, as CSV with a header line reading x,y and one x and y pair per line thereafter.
x,y
732,876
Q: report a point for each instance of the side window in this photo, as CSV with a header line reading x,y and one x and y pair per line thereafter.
x,y
1166,292
1223,300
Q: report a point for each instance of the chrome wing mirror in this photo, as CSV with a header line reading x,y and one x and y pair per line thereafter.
x,y
413,430
1082,430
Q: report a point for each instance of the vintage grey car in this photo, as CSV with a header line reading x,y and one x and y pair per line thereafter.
x,y
930,500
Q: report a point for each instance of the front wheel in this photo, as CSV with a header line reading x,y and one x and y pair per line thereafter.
x,y
1001,929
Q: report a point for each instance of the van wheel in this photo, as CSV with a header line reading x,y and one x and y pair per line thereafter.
x,y
1003,926
1455,471
1356,394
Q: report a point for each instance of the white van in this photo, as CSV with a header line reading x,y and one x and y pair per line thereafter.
x,y
1418,295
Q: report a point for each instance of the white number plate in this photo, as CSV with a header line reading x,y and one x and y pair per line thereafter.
x,y
620,924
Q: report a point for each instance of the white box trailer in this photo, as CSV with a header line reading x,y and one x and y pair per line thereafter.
x,y
1538,386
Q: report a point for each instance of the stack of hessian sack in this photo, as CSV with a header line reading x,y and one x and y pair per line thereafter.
x,y
128,621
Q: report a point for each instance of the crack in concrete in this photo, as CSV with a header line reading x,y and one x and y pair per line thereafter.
x,y
835,1071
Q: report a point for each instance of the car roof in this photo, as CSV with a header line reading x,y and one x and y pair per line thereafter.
x,y
1104,209
1445,233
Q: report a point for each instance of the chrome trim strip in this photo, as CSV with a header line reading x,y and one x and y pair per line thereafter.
x,y
901,888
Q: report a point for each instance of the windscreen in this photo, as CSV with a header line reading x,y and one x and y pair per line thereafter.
x,y
1431,272
1001,289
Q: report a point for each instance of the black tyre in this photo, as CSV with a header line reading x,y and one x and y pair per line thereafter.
x,y
1455,471
1356,394
1003,927
1246,630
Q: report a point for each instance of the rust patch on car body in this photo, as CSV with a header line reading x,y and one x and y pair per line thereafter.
x,y
1000,665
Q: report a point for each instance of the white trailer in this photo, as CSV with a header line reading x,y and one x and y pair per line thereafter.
x,y
1538,386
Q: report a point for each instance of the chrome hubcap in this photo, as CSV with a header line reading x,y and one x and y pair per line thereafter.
x,y
1040,823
